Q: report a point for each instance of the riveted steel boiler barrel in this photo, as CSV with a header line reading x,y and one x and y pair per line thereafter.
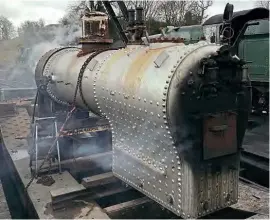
x,y
165,119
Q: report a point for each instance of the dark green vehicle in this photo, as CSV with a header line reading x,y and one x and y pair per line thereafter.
x,y
248,33
190,34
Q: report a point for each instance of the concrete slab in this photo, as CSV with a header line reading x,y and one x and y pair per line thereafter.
x,y
252,199
39,194
4,211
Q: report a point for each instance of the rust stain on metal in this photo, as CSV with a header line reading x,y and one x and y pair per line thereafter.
x,y
167,39
220,136
134,75
110,62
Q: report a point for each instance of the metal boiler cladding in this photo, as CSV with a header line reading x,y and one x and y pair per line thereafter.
x,y
147,94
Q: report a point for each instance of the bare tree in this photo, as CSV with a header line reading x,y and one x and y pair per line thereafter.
x,y
30,27
7,29
264,4
173,12
76,10
151,11
184,12
200,8
150,7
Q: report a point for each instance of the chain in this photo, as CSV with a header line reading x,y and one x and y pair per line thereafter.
x,y
80,76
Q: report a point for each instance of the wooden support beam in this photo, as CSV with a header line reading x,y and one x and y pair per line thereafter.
x,y
115,210
100,179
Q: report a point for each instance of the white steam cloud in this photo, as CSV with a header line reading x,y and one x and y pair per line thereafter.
x,y
36,45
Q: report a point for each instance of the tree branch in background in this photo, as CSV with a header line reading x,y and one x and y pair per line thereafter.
x,y
157,13
7,30
264,4
30,27
179,13
200,8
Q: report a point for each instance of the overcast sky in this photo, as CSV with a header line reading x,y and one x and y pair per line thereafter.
x,y
52,10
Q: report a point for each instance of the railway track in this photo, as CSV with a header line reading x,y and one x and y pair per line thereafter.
x,y
255,153
255,168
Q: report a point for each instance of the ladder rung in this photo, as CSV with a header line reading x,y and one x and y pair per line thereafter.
x,y
46,138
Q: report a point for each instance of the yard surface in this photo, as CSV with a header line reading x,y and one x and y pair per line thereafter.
x,y
4,212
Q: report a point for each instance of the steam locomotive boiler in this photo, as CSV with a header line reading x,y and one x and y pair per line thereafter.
x,y
177,115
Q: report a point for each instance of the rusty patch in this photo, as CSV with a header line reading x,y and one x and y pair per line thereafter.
x,y
220,136
167,39
134,75
110,62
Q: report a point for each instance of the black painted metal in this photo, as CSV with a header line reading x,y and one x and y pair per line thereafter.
x,y
110,11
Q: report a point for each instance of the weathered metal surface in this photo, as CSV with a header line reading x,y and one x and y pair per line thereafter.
x,y
138,101
95,32
220,136
143,98
95,27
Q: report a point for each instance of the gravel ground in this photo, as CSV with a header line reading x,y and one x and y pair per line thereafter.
x,y
253,200
4,212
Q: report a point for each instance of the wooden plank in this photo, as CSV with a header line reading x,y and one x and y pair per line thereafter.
x,y
97,180
115,209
